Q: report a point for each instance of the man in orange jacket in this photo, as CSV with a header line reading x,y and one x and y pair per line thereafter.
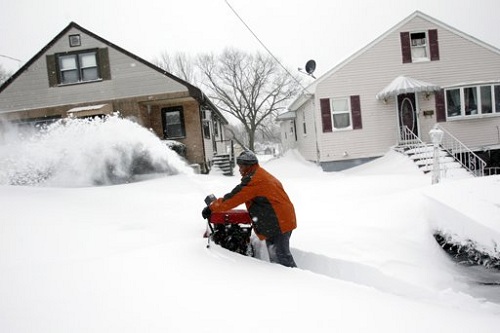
x,y
272,212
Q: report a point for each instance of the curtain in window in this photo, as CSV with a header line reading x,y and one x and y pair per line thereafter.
x,y
486,105
453,102
470,101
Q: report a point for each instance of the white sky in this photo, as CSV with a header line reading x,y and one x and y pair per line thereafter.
x,y
294,30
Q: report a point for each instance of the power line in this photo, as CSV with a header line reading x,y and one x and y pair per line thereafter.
x,y
4,56
263,45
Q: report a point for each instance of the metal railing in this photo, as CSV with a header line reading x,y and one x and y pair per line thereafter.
x,y
416,147
462,154
492,171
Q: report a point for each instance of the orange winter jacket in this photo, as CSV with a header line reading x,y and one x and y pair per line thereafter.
x,y
267,203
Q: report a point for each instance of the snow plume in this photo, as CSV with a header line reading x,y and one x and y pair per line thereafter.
x,y
83,152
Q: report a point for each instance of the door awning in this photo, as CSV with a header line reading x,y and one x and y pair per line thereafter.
x,y
286,116
404,85
90,110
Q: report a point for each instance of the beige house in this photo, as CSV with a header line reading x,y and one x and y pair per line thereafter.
x,y
81,74
420,73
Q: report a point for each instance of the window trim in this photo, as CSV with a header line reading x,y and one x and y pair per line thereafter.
x,y
432,46
424,47
495,105
348,111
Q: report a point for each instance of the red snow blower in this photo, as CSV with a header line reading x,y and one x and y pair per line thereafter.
x,y
230,229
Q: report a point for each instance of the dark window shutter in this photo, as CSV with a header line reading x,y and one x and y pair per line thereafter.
x,y
433,44
52,70
405,47
326,114
440,106
356,112
104,68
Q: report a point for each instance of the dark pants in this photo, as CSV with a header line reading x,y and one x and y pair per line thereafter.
x,y
279,250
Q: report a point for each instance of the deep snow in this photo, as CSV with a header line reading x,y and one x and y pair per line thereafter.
x,y
75,257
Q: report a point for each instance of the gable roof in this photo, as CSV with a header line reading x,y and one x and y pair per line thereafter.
x,y
300,100
193,91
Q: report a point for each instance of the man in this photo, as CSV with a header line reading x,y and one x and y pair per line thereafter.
x,y
272,212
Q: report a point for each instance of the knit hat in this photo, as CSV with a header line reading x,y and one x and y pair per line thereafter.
x,y
247,157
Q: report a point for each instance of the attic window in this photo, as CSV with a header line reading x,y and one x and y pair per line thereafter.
x,y
75,40
419,46
78,67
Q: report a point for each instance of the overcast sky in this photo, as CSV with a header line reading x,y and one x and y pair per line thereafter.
x,y
295,31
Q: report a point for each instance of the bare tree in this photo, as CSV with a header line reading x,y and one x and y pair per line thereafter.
x,y
251,87
181,65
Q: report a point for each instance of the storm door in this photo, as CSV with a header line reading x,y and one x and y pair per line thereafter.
x,y
407,113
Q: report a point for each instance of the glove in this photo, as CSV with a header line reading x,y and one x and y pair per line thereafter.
x,y
206,212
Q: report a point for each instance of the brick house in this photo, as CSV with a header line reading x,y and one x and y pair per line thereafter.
x,y
81,74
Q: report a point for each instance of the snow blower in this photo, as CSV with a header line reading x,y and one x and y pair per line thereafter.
x,y
230,229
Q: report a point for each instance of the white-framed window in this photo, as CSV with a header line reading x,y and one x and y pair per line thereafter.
x,y
206,129
216,128
341,113
78,67
470,101
419,46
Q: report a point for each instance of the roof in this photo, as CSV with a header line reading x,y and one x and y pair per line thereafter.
x,y
286,116
193,90
311,89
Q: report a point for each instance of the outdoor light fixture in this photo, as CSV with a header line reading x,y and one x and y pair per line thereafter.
x,y
436,136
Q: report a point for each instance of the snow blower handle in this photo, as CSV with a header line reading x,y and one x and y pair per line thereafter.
x,y
209,199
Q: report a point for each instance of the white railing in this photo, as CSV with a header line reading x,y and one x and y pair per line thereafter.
x,y
462,154
416,147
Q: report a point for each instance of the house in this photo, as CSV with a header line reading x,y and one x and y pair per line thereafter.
x,y
419,74
80,74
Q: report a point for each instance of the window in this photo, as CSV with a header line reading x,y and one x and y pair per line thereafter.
x,y
206,129
497,98
418,46
485,105
453,102
78,67
341,113
216,128
173,122
75,40
304,127
472,101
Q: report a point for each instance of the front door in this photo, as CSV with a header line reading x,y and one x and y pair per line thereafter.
x,y
407,112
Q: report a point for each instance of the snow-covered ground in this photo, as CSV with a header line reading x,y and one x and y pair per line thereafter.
x,y
131,257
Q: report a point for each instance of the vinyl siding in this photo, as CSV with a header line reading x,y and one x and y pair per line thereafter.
x,y
306,142
129,78
461,60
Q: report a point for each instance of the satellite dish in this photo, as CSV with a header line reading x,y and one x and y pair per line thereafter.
x,y
310,67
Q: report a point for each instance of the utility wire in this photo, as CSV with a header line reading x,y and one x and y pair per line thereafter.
x,y
263,45
4,56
